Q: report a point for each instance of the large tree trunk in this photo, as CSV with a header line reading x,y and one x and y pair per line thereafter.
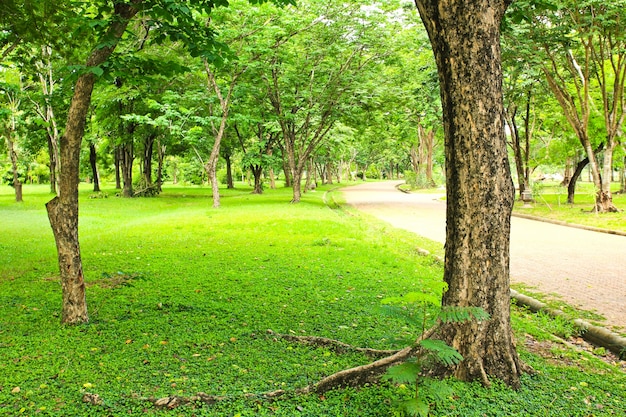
x,y
480,194
63,209
94,167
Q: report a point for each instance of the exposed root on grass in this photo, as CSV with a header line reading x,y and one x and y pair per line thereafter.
x,y
358,376
336,345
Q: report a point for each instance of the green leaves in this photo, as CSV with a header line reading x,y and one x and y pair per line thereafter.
x,y
461,314
415,407
404,373
442,352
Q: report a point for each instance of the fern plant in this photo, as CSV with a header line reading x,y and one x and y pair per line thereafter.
x,y
416,309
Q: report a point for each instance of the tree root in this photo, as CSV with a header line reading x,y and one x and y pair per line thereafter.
x,y
359,375
336,345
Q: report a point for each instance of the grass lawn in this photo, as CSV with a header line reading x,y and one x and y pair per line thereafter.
x,y
181,296
551,203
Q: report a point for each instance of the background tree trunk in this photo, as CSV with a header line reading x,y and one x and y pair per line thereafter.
x,y
53,167
118,162
17,184
94,167
229,171
126,163
465,39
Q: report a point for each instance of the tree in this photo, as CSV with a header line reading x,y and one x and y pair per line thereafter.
x,y
465,39
11,93
584,51
314,73
63,209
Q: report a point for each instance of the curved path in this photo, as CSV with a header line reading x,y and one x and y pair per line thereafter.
x,y
586,269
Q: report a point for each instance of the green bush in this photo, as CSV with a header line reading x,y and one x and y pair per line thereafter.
x,y
417,181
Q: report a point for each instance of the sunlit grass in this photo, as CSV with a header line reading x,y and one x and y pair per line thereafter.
x,y
181,296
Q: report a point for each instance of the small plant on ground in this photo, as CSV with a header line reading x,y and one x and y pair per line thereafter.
x,y
417,310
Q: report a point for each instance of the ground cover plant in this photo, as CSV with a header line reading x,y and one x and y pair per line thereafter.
x,y
181,297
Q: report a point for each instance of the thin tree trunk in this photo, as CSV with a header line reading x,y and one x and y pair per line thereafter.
x,y
272,179
229,172
571,187
430,145
211,165
622,178
94,167
53,168
14,104
126,162
160,158
146,159
567,172
480,192
17,184
117,155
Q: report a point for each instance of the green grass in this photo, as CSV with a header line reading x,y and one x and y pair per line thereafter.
x,y
181,296
551,203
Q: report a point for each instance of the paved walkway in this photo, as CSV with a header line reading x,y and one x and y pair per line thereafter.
x,y
583,268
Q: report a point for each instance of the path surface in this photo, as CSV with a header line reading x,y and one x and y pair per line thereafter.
x,y
583,268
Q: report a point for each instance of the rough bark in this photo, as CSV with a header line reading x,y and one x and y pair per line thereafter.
x,y
63,209
480,193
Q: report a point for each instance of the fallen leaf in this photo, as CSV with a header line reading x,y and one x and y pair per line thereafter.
x,y
16,390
